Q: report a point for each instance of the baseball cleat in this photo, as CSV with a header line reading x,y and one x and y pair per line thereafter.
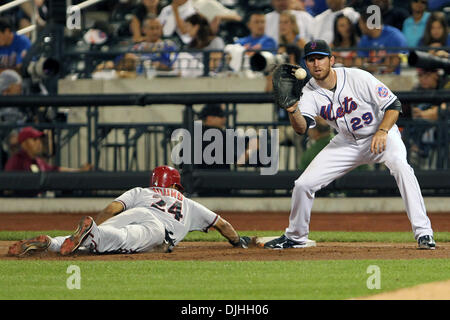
x,y
39,243
284,243
426,242
75,240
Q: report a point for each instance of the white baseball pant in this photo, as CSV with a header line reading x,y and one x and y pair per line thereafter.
x,y
134,230
340,157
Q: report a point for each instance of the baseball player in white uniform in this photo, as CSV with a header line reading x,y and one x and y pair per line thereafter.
x,y
140,220
363,111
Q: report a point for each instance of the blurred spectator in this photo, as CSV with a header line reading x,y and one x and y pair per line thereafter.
x,y
345,36
298,5
125,66
304,20
215,154
318,7
201,34
436,34
28,158
215,13
392,16
204,39
289,32
257,40
143,10
414,26
13,47
123,10
308,6
428,80
157,51
172,18
423,138
434,5
358,4
26,12
213,117
10,84
324,22
379,61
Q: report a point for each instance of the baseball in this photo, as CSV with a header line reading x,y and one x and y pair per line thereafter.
x,y
300,74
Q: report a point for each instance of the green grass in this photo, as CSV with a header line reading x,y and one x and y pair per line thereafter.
x,y
229,280
200,280
320,236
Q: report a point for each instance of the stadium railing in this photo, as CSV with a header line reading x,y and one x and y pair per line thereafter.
x,y
248,182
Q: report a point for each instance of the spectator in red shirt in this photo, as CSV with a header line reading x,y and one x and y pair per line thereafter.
x,y
28,157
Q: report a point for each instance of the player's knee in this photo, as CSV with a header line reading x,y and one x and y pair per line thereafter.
x,y
397,165
303,184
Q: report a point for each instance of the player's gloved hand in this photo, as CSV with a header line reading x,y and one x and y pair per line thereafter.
x,y
242,243
287,89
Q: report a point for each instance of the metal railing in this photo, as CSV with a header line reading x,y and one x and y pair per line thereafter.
x,y
117,147
32,27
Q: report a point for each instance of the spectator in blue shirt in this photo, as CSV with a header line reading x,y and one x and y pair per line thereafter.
x,y
159,52
383,37
414,26
257,40
13,47
434,5
318,7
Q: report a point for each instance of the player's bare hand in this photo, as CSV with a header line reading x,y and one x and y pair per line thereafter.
x,y
379,142
292,108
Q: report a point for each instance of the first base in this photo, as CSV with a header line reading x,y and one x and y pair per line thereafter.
x,y
260,241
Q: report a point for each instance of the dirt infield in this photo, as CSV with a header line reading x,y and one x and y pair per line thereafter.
x,y
393,221
256,221
222,251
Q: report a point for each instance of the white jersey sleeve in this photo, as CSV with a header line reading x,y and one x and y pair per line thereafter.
x,y
202,217
307,105
129,198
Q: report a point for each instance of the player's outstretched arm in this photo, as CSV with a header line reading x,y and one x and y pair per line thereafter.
x,y
227,230
298,122
111,210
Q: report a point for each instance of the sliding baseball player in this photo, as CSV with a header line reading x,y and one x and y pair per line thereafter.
x,y
140,220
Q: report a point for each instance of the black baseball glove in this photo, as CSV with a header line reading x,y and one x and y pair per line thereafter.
x,y
242,243
287,89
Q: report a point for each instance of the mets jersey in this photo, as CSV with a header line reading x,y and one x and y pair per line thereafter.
x,y
354,109
179,214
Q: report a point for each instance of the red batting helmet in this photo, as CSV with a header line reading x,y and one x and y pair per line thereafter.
x,y
165,176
